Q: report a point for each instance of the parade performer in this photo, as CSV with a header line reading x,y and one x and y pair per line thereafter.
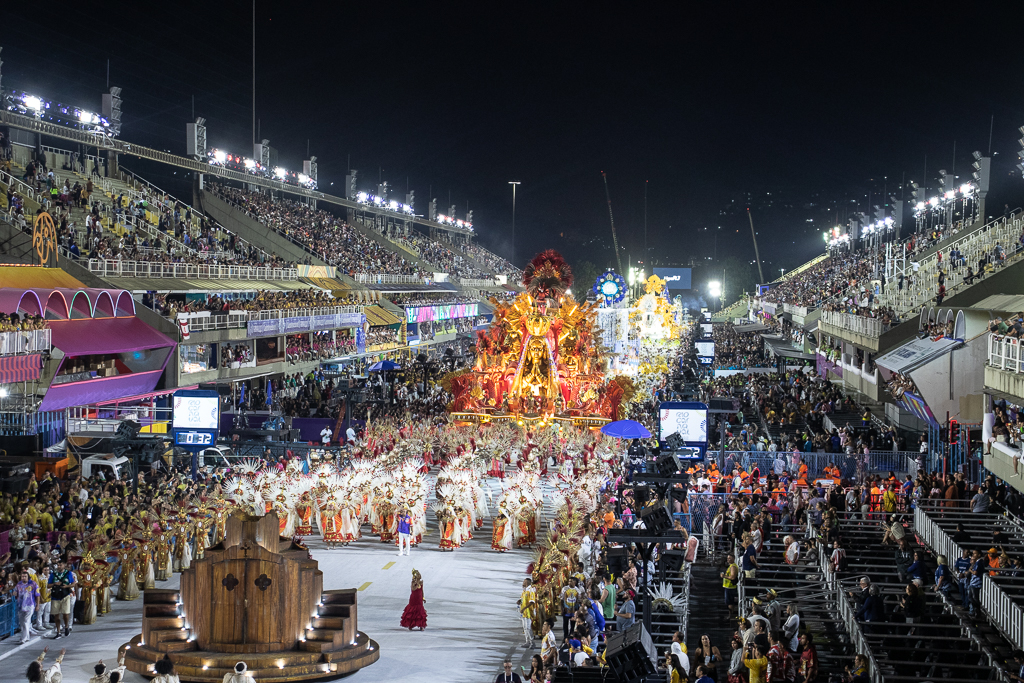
x,y
415,616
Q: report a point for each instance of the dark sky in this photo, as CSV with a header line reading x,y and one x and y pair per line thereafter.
x,y
715,107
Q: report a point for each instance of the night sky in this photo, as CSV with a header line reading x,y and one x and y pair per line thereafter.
x,y
797,114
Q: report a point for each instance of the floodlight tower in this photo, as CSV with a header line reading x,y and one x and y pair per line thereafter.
x,y
982,173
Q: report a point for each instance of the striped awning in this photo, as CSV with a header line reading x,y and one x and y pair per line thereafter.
x,y
23,368
379,317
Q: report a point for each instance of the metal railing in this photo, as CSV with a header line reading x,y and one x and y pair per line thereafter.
x,y
1004,353
476,282
148,269
1001,608
858,324
124,147
20,186
387,279
974,246
201,321
28,341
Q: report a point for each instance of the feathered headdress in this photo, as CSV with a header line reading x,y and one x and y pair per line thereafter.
x,y
547,274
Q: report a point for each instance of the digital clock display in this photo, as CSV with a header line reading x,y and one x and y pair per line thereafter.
x,y
188,438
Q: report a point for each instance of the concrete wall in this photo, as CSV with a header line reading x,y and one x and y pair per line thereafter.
x,y
949,379
253,231
1005,382
1000,463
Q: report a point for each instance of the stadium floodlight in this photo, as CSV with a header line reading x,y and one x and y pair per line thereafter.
x,y
393,205
219,156
715,289
966,189
280,172
303,178
32,102
250,164
362,197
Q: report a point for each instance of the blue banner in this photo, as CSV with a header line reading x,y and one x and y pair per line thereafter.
x,y
269,328
360,340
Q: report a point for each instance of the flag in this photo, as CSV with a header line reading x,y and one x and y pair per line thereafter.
x,y
241,397
270,392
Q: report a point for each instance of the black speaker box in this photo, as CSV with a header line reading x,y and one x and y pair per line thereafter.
x,y
672,560
617,559
13,484
630,654
656,519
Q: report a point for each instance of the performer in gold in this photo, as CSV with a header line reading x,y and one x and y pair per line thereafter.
x,y
127,587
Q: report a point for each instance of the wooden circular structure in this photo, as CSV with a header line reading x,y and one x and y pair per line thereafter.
x,y
255,597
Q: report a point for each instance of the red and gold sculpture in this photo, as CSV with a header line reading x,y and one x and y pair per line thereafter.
x,y
540,360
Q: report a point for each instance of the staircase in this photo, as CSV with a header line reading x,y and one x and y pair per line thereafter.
x,y
922,287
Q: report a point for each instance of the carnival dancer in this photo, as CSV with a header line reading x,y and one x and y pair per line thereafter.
x,y
414,615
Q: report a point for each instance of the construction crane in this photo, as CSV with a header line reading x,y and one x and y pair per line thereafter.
x,y
757,254
615,239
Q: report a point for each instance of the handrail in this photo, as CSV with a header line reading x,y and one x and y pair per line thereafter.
x,y
858,324
154,269
1004,353
24,341
389,279
1000,607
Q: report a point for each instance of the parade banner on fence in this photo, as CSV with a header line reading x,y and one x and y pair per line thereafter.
x,y
306,323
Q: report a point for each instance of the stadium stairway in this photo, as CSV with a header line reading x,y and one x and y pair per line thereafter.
x,y
251,230
383,241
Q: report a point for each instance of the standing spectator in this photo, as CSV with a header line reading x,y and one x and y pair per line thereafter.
x,y
26,595
62,584
626,615
808,671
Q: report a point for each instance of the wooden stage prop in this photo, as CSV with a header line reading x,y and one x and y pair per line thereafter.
x,y
258,598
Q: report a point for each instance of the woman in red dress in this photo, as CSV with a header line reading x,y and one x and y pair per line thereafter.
x,y
414,615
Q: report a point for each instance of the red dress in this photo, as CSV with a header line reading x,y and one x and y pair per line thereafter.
x,y
414,615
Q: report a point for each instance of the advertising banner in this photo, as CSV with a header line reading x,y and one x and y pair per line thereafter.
x,y
267,328
675,278
263,328
292,325
422,314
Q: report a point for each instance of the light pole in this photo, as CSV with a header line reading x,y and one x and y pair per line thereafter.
x,y
513,183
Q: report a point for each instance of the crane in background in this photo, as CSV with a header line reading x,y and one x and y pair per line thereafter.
x,y
757,254
611,217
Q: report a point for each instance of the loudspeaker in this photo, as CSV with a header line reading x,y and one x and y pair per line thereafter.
x,y
672,560
630,654
128,429
14,484
674,441
617,559
656,519
668,463
10,469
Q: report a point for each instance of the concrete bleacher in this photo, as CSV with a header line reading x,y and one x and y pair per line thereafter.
x,y
939,644
975,245
1002,594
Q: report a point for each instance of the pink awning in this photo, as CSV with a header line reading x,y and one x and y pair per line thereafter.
x,y
105,335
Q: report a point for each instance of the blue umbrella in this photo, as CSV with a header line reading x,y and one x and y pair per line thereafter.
x,y
626,429
384,365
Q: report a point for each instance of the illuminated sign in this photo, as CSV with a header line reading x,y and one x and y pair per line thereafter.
x,y
422,314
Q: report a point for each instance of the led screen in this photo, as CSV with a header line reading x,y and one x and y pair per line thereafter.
x,y
689,420
705,348
422,314
196,412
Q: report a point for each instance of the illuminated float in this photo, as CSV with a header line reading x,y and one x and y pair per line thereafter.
x,y
540,361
